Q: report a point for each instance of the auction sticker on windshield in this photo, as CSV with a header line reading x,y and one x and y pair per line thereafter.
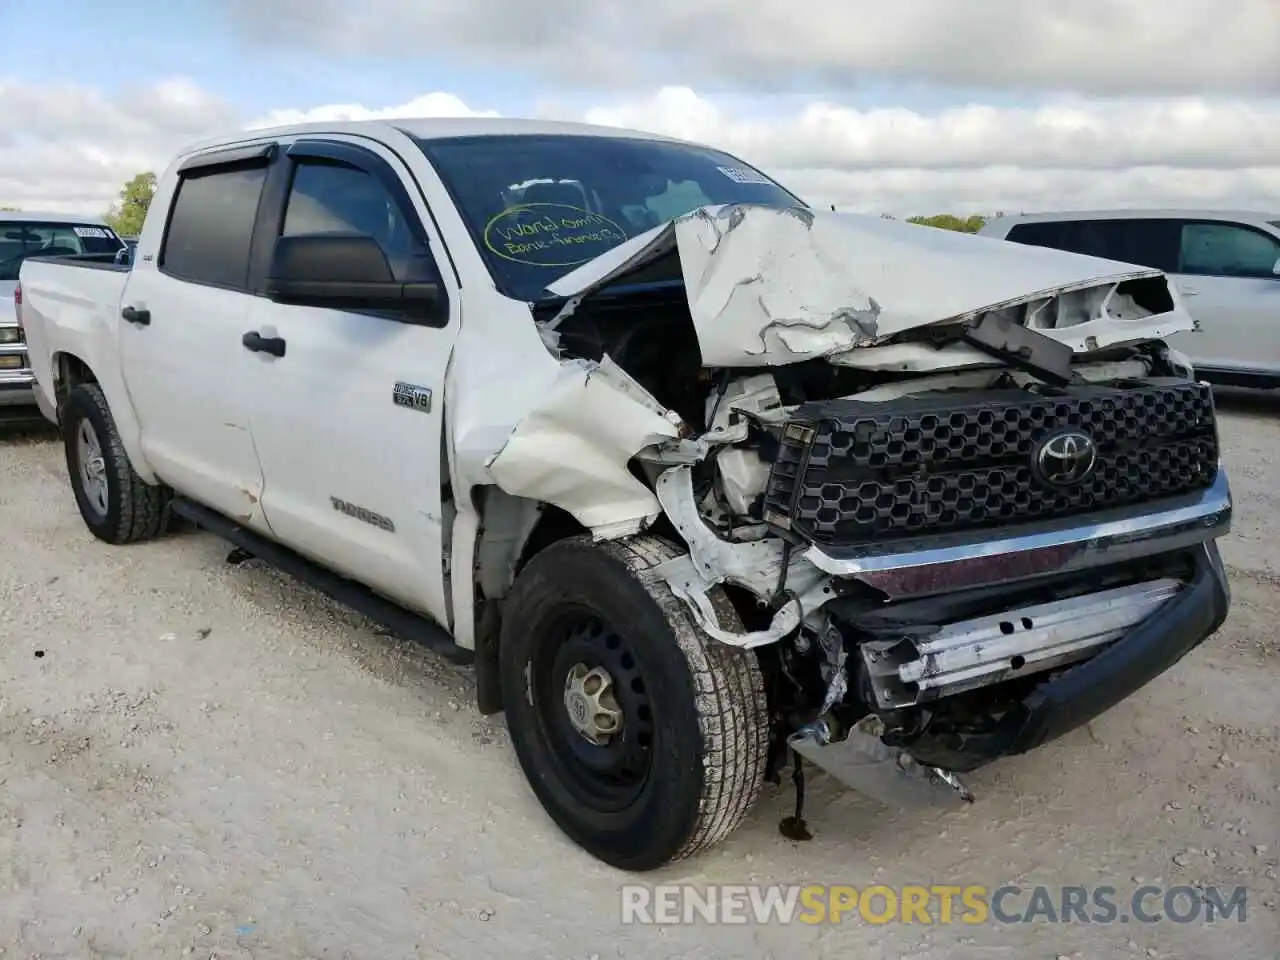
x,y
551,234
744,175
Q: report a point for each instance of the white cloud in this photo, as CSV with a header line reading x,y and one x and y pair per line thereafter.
x,y
427,105
1096,46
1074,153
70,148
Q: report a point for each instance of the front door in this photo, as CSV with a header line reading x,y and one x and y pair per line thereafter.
x,y
348,422
1226,278
185,308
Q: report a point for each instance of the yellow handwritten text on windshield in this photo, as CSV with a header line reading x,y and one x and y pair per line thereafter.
x,y
550,234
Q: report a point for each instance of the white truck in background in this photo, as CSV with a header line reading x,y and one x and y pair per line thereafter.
x,y
28,234
704,482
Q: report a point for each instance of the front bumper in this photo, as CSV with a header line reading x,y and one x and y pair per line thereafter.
x,y
1083,692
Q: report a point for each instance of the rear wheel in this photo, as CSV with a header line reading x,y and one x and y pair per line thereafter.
x,y
116,504
644,739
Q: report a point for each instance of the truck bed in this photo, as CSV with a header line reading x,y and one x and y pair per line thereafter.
x,y
68,303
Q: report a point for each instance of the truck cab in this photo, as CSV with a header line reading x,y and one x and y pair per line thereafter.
x,y
702,481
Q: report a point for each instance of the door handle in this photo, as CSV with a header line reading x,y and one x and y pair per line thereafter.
x,y
135,316
256,342
1189,291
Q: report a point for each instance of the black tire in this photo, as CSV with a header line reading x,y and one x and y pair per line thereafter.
x,y
134,510
700,703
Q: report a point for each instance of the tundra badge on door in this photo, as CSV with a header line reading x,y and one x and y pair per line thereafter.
x,y
361,513
412,396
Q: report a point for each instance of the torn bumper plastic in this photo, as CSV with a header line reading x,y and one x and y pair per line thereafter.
x,y
1083,692
863,762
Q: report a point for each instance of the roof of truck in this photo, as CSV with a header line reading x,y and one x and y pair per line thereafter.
x,y
30,216
433,128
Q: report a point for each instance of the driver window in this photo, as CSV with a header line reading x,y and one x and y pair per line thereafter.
x,y
1228,250
331,197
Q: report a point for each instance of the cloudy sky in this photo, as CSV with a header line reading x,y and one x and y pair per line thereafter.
x,y
910,106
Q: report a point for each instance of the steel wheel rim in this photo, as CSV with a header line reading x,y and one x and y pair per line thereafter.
x,y
607,777
93,470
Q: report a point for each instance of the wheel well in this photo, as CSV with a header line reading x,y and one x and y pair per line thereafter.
x,y
502,552
553,525
71,372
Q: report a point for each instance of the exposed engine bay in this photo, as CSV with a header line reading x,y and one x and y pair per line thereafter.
x,y
921,526
854,461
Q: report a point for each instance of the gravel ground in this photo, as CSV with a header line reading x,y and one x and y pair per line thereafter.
x,y
212,761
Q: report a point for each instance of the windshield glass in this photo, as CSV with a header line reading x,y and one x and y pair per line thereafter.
x,y
539,206
20,239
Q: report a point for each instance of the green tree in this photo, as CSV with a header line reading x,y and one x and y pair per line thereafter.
x,y
947,221
125,217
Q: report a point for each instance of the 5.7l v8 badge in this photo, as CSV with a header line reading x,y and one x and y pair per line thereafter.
x,y
412,396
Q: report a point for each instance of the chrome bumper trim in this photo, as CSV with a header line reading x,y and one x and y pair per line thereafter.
x,y
1071,547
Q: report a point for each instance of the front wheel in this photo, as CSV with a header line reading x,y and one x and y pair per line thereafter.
x,y
116,504
644,739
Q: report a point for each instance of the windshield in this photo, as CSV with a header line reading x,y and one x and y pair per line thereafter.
x,y
20,239
539,206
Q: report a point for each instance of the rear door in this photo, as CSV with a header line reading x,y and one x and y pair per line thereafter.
x,y
349,421
186,306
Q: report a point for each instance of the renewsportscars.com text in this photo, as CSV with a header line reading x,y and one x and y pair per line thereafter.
x,y
943,904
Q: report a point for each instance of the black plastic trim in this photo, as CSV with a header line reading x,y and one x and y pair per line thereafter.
x,y
250,156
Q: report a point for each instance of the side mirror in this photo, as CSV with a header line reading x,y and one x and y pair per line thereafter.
x,y
124,256
1276,269
348,271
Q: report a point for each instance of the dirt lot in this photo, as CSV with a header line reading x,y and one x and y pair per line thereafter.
x,y
211,761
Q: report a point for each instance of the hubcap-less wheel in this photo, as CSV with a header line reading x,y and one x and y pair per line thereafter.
x,y
594,709
93,469
586,630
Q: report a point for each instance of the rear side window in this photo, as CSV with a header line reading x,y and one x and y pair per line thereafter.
x,y
211,226
1037,234
1144,242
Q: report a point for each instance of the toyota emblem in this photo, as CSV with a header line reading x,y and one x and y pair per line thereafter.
x,y
1066,458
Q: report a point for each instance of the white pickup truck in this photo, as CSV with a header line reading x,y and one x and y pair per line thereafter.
x,y
706,483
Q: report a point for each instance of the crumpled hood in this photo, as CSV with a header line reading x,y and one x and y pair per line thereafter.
x,y
769,285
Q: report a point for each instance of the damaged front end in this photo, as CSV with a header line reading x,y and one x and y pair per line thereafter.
x,y
960,494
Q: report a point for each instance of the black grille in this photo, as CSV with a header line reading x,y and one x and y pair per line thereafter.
x,y
849,471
